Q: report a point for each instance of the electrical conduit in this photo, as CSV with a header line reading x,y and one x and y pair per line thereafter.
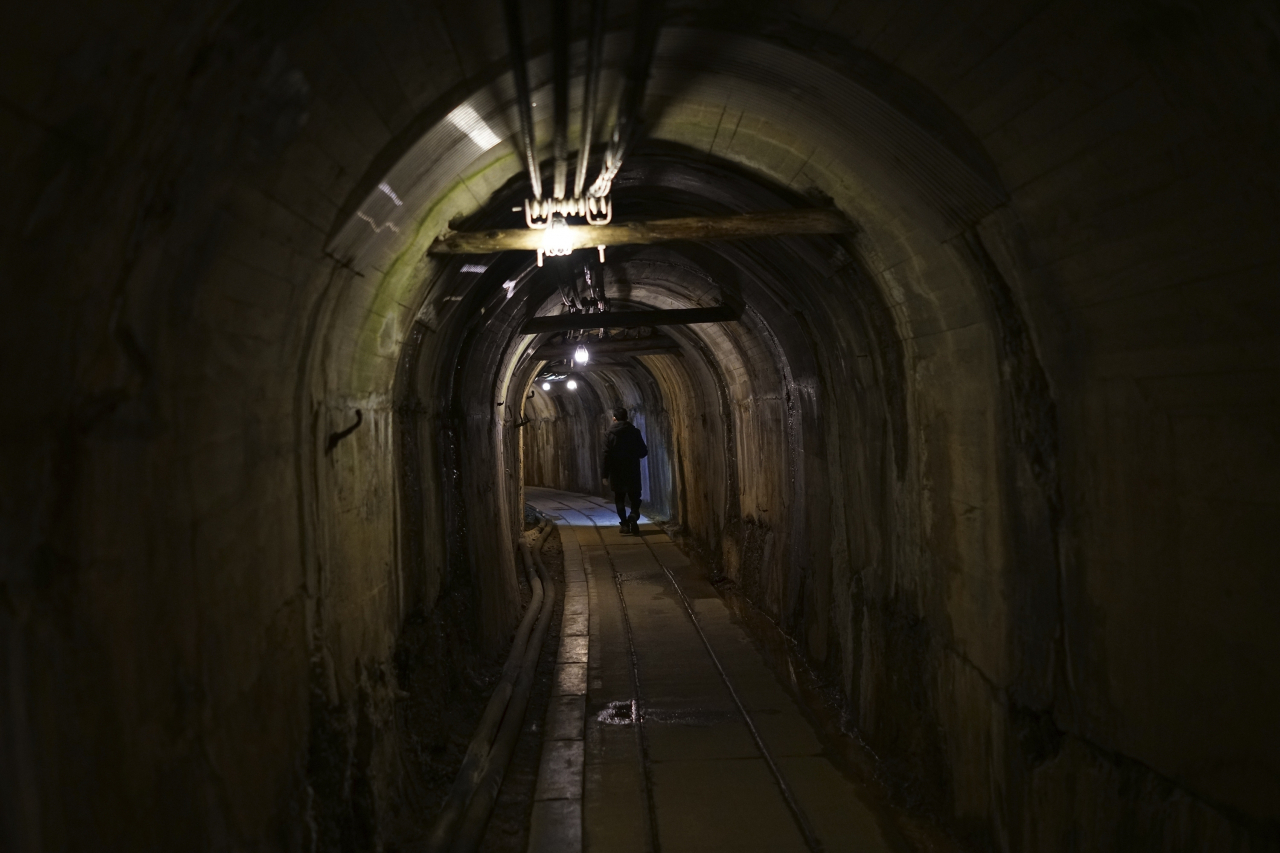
x,y
465,813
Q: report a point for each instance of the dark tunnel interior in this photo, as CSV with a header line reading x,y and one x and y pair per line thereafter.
x,y
995,468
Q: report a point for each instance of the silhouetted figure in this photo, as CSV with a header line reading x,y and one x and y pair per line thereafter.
x,y
624,447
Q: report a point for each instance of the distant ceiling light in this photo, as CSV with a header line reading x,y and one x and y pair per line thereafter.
x,y
467,120
546,386
581,355
474,267
572,385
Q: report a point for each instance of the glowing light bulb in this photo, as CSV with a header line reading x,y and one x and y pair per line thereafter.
x,y
555,239
580,355
546,386
572,385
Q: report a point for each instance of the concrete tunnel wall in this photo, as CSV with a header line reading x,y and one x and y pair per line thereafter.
x,y
1033,544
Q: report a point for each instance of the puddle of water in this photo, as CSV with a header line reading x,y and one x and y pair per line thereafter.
x,y
650,575
687,718
621,712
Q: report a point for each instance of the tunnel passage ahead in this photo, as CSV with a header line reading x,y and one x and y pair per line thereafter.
x,y
687,742
1002,461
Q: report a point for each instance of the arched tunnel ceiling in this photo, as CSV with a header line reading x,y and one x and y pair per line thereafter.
x,y
770,282
785,115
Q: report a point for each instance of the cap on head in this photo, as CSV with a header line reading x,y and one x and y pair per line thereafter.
x,y
620,414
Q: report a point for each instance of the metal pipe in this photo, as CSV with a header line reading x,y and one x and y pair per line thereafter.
x,y
520,73
624,130
474,762
560,81
471,830
590,90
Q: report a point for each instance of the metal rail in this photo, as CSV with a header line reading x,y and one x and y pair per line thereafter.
x,y
637,707
801,819
798,815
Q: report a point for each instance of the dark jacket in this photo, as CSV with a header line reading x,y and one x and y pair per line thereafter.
x,y
624,447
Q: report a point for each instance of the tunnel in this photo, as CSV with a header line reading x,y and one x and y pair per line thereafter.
x,y
959,519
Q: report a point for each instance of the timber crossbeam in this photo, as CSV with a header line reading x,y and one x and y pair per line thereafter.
x,y
629,319
696,228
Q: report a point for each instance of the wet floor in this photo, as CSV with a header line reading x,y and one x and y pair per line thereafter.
x,y
668,731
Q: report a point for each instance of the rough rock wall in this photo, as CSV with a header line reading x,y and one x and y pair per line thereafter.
x,y
202,581
152,611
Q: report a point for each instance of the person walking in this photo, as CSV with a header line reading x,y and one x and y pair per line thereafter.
x,y
624,447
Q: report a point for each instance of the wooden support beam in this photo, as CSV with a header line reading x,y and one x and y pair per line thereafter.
x,y
639,346
697,228
593,366
628,319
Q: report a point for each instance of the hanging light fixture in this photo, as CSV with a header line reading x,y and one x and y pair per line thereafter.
x,y
546,386
572,385
556,242
581,355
